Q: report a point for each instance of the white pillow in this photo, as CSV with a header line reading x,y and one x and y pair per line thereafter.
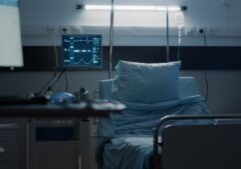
x,y
146,83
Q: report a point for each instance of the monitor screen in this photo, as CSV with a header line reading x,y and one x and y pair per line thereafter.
x,y
10,34
82,51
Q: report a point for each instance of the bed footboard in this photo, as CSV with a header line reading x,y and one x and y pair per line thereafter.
x,y
212,132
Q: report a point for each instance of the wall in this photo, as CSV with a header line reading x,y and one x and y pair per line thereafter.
x,y
42,22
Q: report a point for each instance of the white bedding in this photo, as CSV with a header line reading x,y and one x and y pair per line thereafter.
x,y
131,146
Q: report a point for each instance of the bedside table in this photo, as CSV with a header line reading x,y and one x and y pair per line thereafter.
x,y
10,146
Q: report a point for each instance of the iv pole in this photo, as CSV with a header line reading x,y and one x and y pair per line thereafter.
x,y
167,36
111,40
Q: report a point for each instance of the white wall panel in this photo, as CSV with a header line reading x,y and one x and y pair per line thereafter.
x,y
38,16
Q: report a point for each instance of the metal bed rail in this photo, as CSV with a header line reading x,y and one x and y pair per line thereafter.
x,y
163,120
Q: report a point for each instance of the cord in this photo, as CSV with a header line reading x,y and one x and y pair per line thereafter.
x,y
49,81
179,43
205,64
58,77
66,81
55,73
226,6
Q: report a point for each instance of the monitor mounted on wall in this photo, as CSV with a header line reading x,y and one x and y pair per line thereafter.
x,y
82,51
10,34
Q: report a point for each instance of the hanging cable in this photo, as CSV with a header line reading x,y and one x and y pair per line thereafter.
x,y
111,40
180,26
203,32
45,86
56,52
43,89
58,77
66,81
206,71
226,5
179,42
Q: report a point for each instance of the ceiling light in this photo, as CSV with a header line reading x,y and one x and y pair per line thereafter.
x,y
134,8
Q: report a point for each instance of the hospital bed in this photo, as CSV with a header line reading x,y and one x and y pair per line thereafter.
x,y
190,139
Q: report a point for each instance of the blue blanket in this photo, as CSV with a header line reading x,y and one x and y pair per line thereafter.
x,y
131,147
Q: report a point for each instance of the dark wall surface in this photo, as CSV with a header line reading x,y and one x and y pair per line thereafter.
x,y
193,58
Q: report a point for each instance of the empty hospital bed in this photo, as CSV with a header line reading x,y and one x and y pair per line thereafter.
x,y
191,143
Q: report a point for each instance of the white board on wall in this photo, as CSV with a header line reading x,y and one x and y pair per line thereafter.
x,y
10,34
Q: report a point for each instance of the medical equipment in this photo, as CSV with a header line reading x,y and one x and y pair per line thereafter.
x,y
62,97
82,51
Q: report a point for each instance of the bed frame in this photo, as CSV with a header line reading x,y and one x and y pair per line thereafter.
x,y
215,146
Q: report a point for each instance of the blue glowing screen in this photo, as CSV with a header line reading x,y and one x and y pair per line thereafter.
x,y
82,51
13,3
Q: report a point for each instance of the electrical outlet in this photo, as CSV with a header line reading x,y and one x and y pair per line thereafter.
x,y
191,31
74,30
63,29
212,31
50,30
